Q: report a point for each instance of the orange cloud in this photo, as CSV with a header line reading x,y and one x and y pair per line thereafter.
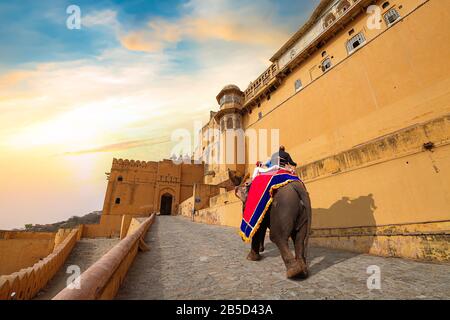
x,y
162,33
119,146
13,78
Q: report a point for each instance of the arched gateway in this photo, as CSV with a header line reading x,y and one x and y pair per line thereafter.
x,y
166,204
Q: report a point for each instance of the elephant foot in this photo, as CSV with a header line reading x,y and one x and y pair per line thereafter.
x,y
297,270
261,249
253,256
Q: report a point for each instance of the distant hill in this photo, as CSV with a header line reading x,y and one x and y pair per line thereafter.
x,y
91,218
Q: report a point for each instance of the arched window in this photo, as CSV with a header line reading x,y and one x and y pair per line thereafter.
x,y
120,179
237,123
326,64
298,85
117,200
386,4
230,123
355,42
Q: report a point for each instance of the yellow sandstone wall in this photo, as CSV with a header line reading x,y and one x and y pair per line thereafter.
x,y
392,82
28,281
23,249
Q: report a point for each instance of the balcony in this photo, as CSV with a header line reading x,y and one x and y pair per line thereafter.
x,y
262,81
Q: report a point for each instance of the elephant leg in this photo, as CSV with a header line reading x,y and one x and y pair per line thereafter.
x,y
255,248
263,228
281,238
258,241
293,268
261,246
301,240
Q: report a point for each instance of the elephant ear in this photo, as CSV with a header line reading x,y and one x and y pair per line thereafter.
x,y
235,178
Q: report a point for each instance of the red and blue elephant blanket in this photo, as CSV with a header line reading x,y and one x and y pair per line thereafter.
x,y
260,198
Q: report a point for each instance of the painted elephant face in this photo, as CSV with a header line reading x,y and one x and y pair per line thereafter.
x,y
242,192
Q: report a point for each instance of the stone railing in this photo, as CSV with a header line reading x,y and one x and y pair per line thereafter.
x,y
103,279
261,82
26,283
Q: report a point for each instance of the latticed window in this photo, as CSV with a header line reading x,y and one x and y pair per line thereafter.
x,y
355,42
229,98
230,123
237,123
326,65
391,17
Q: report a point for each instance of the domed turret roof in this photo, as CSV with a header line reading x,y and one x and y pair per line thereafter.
x,y
228,88
231,86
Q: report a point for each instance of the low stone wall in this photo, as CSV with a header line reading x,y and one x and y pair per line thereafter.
x,y
185,208
26,283
16,254
103,279
109,227
424,242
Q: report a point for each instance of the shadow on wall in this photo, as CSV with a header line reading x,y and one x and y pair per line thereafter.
x,y
346,213
331,228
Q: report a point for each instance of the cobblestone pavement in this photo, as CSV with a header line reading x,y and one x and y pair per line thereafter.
x,y
85,254
196,261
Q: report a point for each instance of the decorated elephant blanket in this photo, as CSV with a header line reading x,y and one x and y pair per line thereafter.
x,y
260,198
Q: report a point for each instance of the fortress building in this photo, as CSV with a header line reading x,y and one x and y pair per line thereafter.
x,y
361,97
141,188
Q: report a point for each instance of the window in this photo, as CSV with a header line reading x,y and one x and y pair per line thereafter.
x,y
293,53
230,123
117,200
386,4
120,179
343,7
326,65
391,17
324,53
298,85
260,115
230,98
355,42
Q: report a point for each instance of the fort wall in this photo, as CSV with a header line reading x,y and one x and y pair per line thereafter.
x,y
28,281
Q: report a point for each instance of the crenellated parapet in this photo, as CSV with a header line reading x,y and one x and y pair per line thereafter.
x,y
132,164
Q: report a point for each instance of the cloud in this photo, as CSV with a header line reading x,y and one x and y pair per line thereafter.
x,y
127,145
106,18
245,24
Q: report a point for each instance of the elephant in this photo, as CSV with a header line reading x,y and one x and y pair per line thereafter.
x,y
289,216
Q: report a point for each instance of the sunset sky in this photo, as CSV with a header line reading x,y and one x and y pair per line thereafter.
x,y
71,100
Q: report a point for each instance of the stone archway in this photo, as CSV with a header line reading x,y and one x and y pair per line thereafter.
x,y
166,204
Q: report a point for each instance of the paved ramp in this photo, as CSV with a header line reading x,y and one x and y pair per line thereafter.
x,y
196,261
85,253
